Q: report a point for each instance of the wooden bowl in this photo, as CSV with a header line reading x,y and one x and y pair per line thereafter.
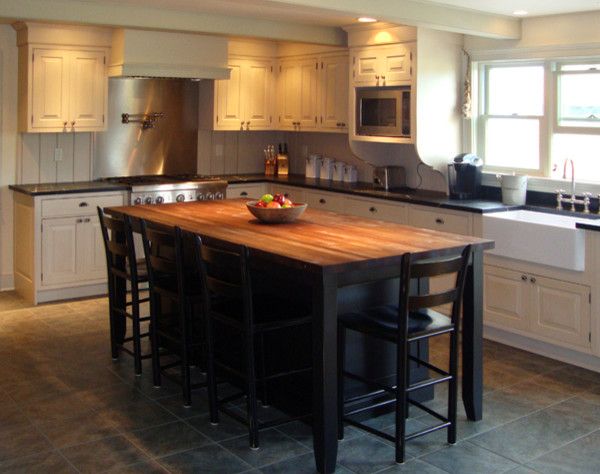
x,y
276,215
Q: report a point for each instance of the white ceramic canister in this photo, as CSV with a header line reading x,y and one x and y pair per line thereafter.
x,y
514,189
326,168
338,170
313,165
350,174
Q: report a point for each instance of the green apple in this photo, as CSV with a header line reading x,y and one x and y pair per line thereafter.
x,y
266,198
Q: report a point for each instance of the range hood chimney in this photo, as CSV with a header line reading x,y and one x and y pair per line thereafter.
x,y
143,53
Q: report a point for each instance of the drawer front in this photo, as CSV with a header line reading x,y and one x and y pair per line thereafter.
x,y
440,220
376,209
251,191
325,201
291,192
79,206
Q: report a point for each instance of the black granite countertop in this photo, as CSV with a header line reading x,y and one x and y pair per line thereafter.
x,y
67,188
412,196
589,225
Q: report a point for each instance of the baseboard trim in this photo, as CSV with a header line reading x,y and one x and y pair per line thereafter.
x,y
587,361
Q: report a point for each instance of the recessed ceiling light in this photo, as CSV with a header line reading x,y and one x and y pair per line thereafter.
x,y
367,19
520,12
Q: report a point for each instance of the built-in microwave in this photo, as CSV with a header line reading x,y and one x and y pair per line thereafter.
x,y
383,111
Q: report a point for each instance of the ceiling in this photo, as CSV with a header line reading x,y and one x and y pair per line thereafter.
x,y
292,11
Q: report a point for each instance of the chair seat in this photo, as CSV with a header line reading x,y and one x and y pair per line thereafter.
x,y
382,321
270,311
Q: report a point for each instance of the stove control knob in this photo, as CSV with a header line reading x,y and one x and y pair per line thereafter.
x,y
148,200
180,198
210,196
160,200
137,200
200,197
219,195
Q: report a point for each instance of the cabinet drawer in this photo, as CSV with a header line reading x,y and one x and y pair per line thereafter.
x,y
291,192
251,191
325,201
376,209
78,206
445,221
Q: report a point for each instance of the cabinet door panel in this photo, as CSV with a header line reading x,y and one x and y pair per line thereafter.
x,y
308,94
289,106
250,191
50,89
365,67
334,93
561,311
505,298
59,251
91,258
86,106
395,65
230,99
258,94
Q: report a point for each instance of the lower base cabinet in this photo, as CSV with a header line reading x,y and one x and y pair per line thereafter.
x,y
246,190
556,311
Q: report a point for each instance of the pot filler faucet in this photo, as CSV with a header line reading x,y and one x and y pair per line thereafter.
x,y
573,199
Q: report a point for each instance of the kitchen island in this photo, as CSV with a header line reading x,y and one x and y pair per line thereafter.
x,y
330,251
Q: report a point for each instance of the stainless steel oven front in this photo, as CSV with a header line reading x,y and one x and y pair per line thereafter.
x,y
383,111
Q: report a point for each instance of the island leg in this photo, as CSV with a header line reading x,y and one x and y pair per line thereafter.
x,y
472,340
324,342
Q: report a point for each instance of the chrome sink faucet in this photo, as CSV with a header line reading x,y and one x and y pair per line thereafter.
x,y
573,199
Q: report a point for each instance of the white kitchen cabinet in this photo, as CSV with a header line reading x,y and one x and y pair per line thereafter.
x,y
247,190
547,309
382,65
245,100
62,90
333,93
297,86
444,220
376,209
325,200
59,251
294,193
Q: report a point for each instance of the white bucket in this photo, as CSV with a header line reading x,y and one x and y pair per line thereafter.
x,y
313,165
514,189
326,168
338,170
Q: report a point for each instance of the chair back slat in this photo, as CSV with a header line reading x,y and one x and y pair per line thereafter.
x,y
432,268
433,299
117,248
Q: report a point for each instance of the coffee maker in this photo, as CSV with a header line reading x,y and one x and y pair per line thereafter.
x,y
464,176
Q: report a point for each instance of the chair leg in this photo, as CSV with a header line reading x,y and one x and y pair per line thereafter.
x,y
185,355
211,378
252,407
114,346
156,375
401,397
137,342
264,398
341,355
453,387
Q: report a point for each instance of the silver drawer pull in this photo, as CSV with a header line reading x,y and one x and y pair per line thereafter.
x,y
322,201
83,204
243,193
439,220
372,209
87,219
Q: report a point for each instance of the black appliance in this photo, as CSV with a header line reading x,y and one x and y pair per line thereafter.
x,y
464,176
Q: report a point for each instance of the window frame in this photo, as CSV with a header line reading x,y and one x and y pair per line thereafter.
x,y
483,70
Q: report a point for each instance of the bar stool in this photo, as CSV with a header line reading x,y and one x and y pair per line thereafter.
x,y
412,320
121,263
229,301
175,306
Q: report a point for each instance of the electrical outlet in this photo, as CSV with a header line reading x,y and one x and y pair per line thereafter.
x,y
58,154
218,150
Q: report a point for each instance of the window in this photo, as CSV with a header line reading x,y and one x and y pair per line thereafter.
x,y
534,116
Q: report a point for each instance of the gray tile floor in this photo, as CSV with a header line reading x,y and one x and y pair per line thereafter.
x,y
66,407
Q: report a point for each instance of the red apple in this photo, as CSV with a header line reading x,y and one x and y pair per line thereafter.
x,y
260,204
279,198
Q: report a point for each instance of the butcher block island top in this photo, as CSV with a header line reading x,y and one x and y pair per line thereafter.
x,y
318,239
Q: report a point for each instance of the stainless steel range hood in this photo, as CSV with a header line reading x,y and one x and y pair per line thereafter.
x,y
143,53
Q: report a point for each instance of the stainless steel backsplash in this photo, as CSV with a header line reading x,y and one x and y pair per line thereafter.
x,y
169,147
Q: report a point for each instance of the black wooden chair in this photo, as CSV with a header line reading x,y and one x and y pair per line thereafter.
x,y
175,307
411,321
122,264
231,305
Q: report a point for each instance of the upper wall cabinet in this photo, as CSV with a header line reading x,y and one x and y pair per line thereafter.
x,y
313,93
242,102
61,88
382,65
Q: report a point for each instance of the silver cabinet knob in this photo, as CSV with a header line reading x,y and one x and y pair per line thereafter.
x,y
532,280
524,277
